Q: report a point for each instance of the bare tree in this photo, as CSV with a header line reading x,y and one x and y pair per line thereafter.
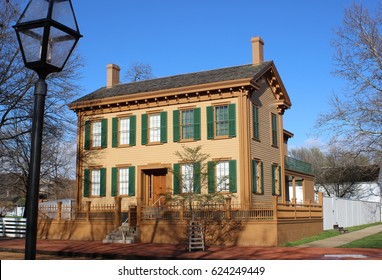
x,y
192,178
339,172
16,107
139,71
355,117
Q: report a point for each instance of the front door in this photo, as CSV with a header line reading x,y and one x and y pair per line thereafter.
x,y
155,185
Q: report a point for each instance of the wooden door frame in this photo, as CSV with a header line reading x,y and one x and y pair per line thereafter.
x,y
142,193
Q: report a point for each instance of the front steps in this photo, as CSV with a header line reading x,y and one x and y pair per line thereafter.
x,y
124,234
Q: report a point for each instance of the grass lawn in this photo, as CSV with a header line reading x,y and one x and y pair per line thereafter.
x,y
331,233
372,241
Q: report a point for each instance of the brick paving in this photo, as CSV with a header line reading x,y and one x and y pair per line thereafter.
x,y
318,250
63,249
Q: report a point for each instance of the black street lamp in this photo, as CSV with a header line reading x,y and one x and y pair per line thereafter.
x,y
47,32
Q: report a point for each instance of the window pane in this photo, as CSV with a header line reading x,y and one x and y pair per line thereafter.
x,y
154,126
96,134
96,182
187,178
124,131
188,124
123,181
221,120
258,178
222,176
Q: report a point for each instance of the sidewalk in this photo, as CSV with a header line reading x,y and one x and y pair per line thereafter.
x,y
344,238
318,250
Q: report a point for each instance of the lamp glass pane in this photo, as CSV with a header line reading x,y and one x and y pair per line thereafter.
x,y
36,9
31,41
60,46
63,13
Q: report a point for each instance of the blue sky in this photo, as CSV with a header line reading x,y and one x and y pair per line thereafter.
x,y
177,37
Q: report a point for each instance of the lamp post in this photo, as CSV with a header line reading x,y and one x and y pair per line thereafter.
x,y
47,32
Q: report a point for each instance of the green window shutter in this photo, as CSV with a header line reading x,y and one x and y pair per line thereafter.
x,y
274,130
87,135
273,180
86,183
232,120
176,172
103,182
210,122
133,130
254,176
280,181
232,176
163,127
262,177
197,120
211,176
104,133
132,181
144,129
197,175
176,125
114,128
114,181
255,119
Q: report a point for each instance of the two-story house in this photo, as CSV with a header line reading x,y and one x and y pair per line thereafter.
x,y
128,135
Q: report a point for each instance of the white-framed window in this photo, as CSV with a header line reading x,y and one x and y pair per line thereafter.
x,y
222,176
257,180
124,131
187,178
187,124
123,174
95,182
154,127
276,183
221,120
96,131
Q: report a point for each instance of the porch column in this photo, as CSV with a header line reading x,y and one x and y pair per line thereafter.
x,y
294,189
245,192
281,110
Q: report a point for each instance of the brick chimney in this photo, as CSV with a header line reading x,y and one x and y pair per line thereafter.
x,y
257,50
112,71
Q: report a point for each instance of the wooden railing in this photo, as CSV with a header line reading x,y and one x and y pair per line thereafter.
x,y
273,210
258,212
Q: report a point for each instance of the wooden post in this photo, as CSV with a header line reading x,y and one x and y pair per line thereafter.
x,y
275,215
181,214
320,199
228,201
88,203
117,211
59,210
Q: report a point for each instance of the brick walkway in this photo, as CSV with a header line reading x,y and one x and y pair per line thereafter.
x,y
59,249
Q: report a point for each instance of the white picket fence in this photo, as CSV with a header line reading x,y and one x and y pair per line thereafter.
x,y
348,213
13,227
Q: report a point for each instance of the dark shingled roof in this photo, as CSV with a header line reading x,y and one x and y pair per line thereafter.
x,y
178,81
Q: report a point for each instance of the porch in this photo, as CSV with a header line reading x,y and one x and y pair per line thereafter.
x,y
266,224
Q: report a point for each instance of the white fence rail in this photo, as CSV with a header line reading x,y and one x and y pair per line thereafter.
x,y
348,213
13,227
